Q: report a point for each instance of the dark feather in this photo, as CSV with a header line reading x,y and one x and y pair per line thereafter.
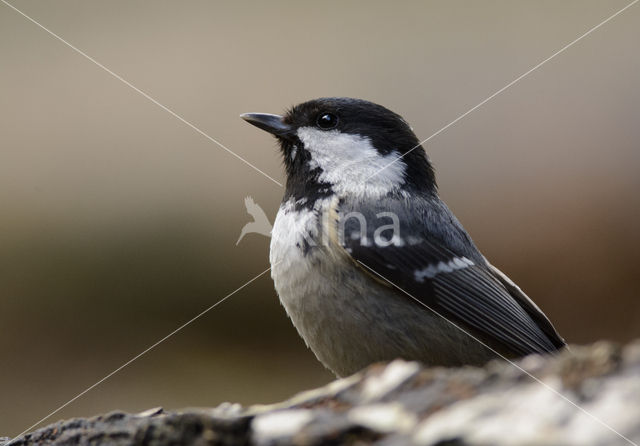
x,y
472,295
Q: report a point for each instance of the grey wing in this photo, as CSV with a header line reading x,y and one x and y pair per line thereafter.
x,y
529,305
462,290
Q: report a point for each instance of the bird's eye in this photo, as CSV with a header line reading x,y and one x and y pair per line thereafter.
x,y
327,121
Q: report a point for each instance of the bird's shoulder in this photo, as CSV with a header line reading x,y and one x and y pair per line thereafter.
x,y
418,246
409,221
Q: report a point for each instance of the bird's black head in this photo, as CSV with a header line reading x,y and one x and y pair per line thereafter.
x,y
347,146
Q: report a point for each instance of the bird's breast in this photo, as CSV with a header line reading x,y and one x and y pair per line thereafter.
x,y
345,317
302,250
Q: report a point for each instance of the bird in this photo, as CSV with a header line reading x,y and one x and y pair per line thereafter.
x,y
260,223
368,261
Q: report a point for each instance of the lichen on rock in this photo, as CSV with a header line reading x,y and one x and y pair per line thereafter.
x,y
585,396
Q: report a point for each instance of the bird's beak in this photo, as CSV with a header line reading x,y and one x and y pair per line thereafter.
x,y
273,124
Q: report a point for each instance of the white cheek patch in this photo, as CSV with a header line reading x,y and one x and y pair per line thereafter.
x,y
351,164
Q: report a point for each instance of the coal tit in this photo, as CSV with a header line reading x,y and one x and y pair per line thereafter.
x,y
369,262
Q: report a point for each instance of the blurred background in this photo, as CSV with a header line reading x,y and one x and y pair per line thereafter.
x,y
118,222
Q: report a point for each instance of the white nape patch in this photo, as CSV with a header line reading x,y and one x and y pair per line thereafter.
x,y
432,271
396,374
285,423
351,164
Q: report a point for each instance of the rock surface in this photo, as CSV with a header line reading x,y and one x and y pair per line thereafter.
x,y
587,396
